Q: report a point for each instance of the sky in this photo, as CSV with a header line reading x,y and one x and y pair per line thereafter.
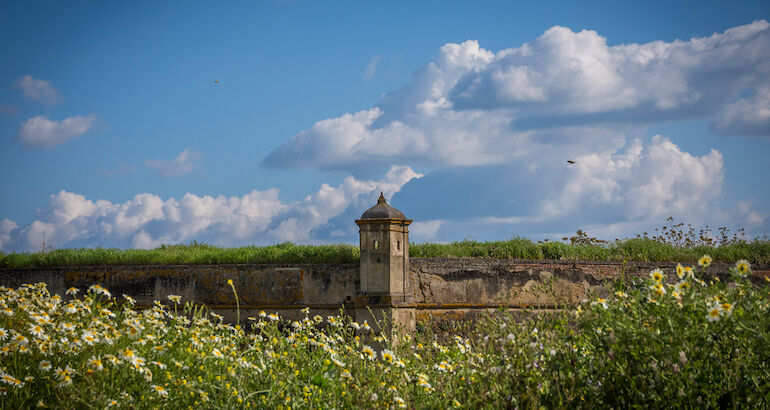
x,y
137,124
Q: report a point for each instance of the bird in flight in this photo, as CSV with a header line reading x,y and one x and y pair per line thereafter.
x,y
570,161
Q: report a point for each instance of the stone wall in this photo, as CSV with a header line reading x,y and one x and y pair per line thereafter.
x,y
449,287
513,282
274,287
456,288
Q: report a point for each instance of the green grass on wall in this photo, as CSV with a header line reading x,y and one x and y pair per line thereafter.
x,y
756,251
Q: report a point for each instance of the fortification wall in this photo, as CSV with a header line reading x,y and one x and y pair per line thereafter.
x,y
274,287
513,282
455,288
438,287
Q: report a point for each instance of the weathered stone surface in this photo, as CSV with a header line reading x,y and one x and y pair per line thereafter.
x,y
464,282
258,285
440,287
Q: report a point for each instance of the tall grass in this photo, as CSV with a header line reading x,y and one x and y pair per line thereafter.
x,y
756,251
637,249
194,253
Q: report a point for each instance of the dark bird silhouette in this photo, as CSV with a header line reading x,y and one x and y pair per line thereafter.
x,y
570,161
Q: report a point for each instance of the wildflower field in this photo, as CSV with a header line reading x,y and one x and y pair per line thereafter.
x,y
667,340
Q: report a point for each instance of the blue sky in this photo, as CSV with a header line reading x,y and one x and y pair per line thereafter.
x,y
132,125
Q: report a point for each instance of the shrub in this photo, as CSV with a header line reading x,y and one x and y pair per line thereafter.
x,y
554,250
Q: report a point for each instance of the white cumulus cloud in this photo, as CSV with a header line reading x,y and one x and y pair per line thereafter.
x,y
147,220
622,190
748,116
184,163
423,231
471,106
39,90
495,130
6,226
654,182
579,75
41,132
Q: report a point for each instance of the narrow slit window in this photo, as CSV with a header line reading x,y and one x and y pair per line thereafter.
x,y
376,245
398,245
